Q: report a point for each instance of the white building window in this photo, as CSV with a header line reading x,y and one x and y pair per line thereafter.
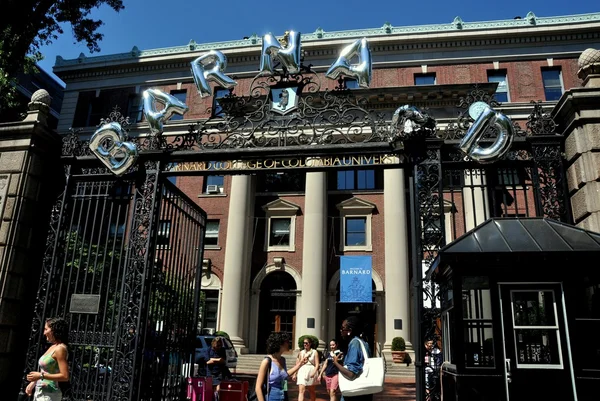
x,y
553,84
211,238
502,95
280,233
214,184
355,218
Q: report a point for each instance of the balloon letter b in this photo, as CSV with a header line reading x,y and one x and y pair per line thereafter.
x,y
108,144
470,143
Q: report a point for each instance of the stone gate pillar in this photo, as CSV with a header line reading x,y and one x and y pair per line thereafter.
x,y
29,162
578,115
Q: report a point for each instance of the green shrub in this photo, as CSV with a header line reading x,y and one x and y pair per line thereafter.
x,y
313,340
222,334
398,344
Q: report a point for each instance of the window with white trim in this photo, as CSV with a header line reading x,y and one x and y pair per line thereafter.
x,y
355,219
355,231
553,85
211,237
279,231
536,329
280,225
214,184
502,95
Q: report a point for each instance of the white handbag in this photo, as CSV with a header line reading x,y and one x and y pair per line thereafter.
x,y
370,380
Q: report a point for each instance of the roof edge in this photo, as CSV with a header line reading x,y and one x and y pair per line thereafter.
x,y
530,21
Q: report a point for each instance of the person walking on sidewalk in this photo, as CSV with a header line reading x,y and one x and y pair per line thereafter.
x,y
352,329
308,375
330,371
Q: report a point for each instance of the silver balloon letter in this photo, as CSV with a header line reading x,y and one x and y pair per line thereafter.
x,y
362,71
202,75
288,54
156,118
487,118
108,144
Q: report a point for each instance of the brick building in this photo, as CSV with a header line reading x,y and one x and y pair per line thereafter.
x,y
274,240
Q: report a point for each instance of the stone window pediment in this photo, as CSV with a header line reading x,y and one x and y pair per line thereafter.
x,y
280,233
356,205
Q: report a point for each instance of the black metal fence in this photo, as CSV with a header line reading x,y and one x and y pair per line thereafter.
x,y
123,263
172,318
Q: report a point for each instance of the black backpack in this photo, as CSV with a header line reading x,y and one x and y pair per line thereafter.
x,y
252,392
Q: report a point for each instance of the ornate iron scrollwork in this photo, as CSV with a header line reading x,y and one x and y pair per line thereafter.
x,y
129,340
540,123
429,202
73,145
457,130
329,117
549,176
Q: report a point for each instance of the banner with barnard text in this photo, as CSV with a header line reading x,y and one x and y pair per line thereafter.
x,y
355,279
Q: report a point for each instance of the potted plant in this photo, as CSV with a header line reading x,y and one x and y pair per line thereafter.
x,y
222,334
399,354
313,340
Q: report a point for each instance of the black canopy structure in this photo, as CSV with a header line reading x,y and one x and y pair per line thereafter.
x,y
521,237
519,298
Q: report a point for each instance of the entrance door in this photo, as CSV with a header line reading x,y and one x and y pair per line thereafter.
x,y
277,312
535,343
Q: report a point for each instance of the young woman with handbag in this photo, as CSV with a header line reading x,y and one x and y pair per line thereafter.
x,y
361,376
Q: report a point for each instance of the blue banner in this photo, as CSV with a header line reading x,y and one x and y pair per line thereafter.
x,y
355,279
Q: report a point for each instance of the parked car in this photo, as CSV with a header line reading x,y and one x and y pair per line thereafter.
x,y
203,344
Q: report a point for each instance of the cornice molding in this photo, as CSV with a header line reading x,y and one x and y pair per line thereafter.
x,y
320,36
78,73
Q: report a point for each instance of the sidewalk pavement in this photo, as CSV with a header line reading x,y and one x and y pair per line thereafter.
x,y
402,389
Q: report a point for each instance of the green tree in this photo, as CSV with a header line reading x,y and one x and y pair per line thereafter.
x,y
26,25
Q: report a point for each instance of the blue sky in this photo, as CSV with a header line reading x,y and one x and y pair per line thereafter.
x,y
150,24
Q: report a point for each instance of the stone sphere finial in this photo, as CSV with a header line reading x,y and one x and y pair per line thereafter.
x,y
41,96
588,57
589,63
40,99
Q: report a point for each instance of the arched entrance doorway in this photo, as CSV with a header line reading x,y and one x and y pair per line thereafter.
x,y
277,307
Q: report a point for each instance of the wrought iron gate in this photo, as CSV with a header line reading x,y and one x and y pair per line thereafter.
x,y
123,261
450,196
137,241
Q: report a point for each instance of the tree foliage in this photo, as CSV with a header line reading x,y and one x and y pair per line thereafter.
x,y
27,25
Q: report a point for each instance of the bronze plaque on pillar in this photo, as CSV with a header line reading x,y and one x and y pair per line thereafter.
x,y
85,303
